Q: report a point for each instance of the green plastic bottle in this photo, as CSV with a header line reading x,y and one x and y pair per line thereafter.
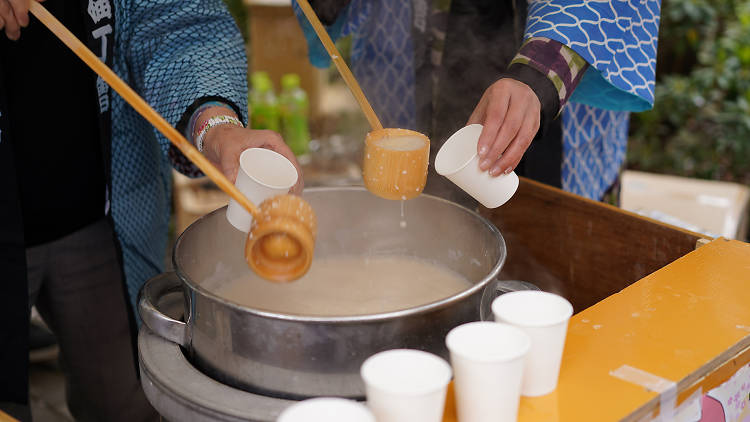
x,y
264,106
294,107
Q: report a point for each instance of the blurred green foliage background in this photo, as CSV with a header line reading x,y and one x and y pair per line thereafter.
x,y
700,124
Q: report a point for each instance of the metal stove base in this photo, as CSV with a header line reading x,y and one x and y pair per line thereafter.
x,y
181,393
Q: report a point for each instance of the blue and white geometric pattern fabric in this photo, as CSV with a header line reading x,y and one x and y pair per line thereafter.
x,y
618,38
172,52
356,14
594,147
382,55
383,62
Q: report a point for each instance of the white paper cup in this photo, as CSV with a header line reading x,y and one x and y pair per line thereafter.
x,y
488,360
544,317
406,385
458,161
326,409
262,174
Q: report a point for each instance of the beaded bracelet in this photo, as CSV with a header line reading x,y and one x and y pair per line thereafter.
x,y
214,121
190,129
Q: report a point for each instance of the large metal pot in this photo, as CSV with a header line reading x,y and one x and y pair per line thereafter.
x,y
300,356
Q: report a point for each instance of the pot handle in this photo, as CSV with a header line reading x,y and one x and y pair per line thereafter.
x,y
154,289
496,288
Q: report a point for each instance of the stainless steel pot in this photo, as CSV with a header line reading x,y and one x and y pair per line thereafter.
x,y
298,356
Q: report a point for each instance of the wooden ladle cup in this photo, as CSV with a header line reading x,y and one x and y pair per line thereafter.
x,y
395,163
280,244
281,240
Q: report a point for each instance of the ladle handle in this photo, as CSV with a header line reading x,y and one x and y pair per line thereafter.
x,y
140,105
343,69
161,324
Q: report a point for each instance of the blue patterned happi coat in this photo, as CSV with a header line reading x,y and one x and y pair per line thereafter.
x,y
173,53
618,39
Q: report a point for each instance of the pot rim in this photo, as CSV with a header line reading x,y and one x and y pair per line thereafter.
x,y
351,318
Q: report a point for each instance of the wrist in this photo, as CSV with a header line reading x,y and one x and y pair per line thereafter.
x,y
197,117
208,123
542,87
561,65
204,113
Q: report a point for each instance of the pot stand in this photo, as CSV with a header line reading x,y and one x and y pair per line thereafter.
x,y
180,392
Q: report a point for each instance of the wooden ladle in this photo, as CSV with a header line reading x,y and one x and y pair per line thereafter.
x,y
281,241
395,160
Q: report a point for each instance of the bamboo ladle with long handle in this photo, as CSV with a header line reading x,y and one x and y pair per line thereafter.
x,y
281,241
395,160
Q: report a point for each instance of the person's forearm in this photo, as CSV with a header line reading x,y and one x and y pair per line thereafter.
x,y
561,65
192,121
203,114
528,95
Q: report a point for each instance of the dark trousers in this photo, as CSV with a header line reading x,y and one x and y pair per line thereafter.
x,y
76,284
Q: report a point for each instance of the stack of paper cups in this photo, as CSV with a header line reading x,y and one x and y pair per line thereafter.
x,y
326,409
544,318
406,385
488,361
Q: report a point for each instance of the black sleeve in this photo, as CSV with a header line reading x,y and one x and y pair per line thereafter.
x,y
328,10
541,85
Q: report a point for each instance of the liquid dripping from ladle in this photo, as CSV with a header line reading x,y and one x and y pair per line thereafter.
x,y
403,219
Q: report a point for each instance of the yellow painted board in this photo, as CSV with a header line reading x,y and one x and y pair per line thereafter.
x,y
671,323
4,417
679,323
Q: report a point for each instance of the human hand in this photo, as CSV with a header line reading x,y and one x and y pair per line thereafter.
x,y
510,112
14,15
223,145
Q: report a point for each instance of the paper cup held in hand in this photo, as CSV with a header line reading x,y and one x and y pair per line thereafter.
x,y
458,161
405,385
262,174
488,362
326,409
544,318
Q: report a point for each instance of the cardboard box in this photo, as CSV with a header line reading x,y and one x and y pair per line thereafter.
x,y
710,207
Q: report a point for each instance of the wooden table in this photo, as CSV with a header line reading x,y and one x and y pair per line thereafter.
x,y
4,417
